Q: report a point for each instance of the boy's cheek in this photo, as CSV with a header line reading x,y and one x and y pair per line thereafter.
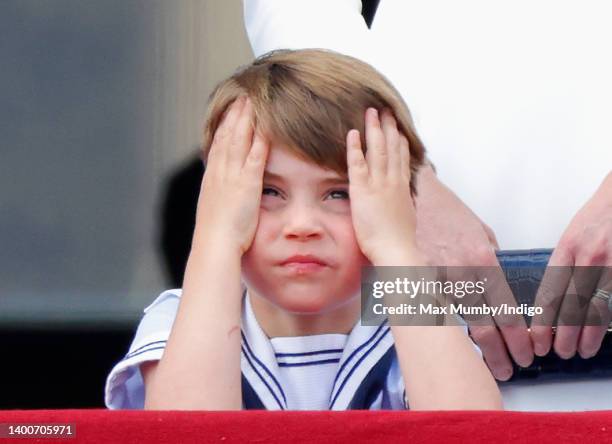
x,y
349,240
251,274
265,235
365,262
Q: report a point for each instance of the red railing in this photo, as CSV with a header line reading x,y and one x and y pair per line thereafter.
x,y
148,427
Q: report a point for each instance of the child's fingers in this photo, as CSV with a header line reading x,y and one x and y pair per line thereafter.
x,y
376,154
242,136
404,157
392,143
355,160
255,162
223,133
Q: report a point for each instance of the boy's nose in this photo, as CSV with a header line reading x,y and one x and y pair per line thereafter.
x,y
302,224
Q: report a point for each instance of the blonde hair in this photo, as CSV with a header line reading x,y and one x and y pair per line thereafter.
x,y
308,100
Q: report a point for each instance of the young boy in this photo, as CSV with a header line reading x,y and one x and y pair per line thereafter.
x,y
286,143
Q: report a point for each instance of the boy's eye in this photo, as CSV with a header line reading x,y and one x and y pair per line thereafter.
x,y
339,194
267,191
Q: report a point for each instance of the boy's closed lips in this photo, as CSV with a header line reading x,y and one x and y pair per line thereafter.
x,y
303,264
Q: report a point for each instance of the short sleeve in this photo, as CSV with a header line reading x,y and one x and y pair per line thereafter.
x,y
395,396
124,385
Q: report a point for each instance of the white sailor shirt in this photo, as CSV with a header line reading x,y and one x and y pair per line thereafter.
x,y
318,372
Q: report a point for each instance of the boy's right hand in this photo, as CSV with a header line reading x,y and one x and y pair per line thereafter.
x,y
228,205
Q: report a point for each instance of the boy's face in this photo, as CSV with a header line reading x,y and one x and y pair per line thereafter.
x,y
304,258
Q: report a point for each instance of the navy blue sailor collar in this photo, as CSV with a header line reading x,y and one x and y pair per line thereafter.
x,y
362,369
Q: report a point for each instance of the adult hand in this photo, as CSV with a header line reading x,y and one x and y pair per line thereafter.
x,y
450,234
587,242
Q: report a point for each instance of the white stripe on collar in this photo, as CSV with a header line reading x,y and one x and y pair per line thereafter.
x,y
258,363
364,348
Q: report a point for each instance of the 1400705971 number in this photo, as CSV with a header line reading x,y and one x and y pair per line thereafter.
x,y
32,430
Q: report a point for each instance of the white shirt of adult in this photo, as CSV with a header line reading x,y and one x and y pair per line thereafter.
x,y
512,99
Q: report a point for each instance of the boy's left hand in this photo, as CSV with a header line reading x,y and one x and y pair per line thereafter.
x,y
379,186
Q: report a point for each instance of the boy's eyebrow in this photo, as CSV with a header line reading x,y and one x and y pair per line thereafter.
x,y
336,180
268,175
339,180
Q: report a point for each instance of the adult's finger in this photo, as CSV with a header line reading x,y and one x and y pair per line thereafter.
x,y
598,316
574,307
549,297
511,323
491,343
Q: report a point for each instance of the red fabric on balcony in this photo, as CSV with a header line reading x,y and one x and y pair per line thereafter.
x,y
96,426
